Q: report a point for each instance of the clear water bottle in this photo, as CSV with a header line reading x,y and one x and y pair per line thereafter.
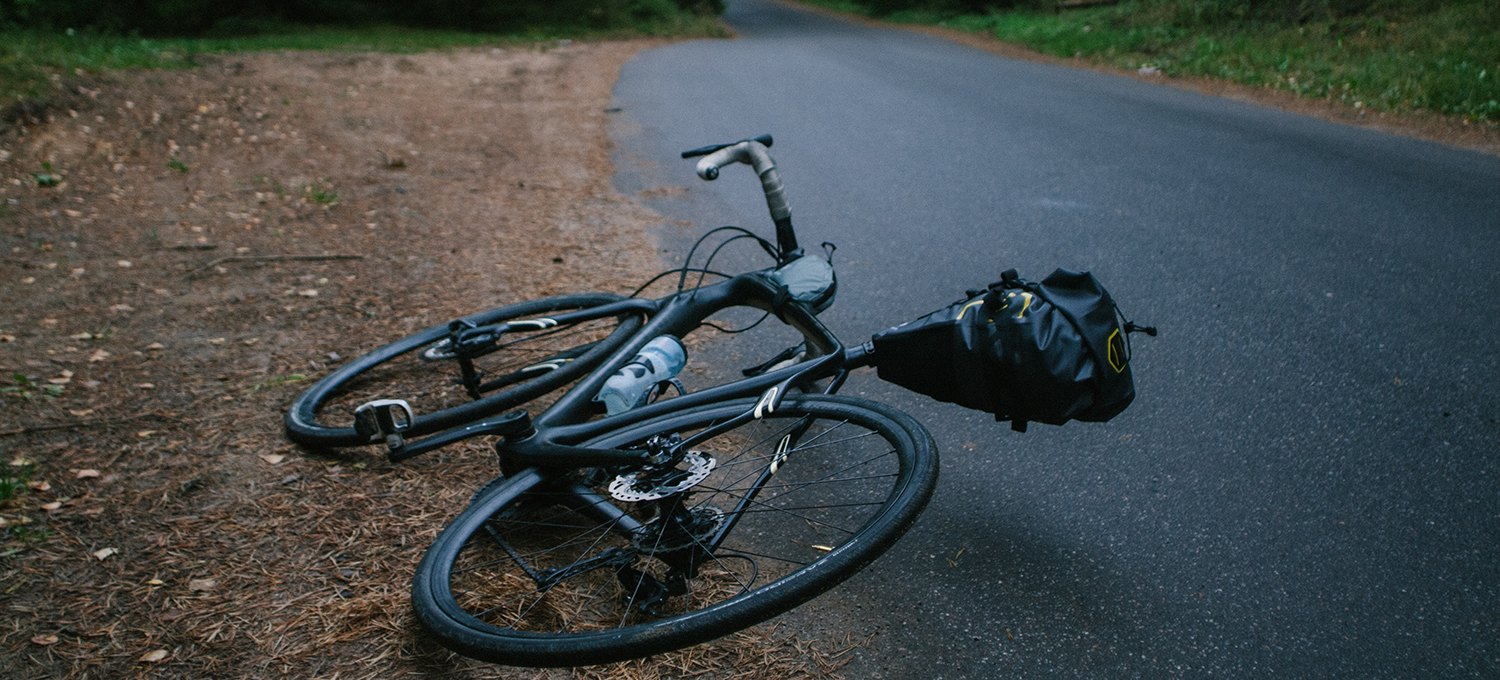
x,y
636,382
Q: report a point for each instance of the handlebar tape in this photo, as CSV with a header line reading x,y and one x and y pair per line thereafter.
x,y
754,154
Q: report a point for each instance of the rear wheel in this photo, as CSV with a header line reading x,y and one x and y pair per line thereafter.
x,y
526,363
595,566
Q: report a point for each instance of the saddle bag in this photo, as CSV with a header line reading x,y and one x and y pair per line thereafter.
x,y
1047,352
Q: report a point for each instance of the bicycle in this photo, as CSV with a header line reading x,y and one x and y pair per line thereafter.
x,y
666,525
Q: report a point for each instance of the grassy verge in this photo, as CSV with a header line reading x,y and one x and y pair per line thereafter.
x,y
1444,59
33,63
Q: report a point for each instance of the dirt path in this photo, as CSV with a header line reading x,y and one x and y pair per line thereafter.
x,y
161,524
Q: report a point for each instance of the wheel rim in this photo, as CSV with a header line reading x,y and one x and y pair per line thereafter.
x,y
429,379
552,565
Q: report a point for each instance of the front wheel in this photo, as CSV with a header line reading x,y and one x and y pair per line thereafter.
x,y
526,363
567,568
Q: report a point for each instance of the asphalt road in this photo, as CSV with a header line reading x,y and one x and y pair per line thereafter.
x,y
1307,483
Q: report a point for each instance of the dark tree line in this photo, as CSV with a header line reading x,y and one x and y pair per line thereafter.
x,y
241,17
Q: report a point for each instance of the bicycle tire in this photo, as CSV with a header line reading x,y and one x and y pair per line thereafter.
x,y
855,481
398,371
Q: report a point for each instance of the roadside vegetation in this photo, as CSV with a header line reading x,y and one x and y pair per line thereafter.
x,y
44,44
1383,55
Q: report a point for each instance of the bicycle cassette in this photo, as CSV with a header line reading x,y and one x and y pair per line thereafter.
x,y
649,485
663,536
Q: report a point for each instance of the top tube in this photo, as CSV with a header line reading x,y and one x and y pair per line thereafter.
x,y
567,422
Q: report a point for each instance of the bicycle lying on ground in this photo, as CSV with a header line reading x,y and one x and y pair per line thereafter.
x,y
623,530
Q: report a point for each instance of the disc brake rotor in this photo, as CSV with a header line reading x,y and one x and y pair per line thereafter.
x,y
650,485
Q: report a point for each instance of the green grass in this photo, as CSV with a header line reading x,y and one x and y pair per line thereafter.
x,y
278,381
13,481
319,194
29,389
1445,58
33,62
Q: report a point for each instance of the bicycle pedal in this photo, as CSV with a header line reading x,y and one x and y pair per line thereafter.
x,y
383,419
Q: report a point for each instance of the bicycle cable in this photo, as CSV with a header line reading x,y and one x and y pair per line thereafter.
x,y
744,234
764,244
669,272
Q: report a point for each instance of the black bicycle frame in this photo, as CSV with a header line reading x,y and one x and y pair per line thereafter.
x,y
551,438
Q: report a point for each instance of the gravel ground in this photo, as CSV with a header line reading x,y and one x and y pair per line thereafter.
x,y
155,520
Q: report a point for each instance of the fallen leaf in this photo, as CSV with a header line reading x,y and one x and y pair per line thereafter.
x,y
216,341
53,507
104,553
125,264
156,582
122,308
80,412
62,379
273,458
156,346
202,584
20,462
145,433
7,338
44,640
87,473
98,355
39,485
153,657
145,386
82,336
308,293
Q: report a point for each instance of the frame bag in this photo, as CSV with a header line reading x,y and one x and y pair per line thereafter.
x,y
1048,352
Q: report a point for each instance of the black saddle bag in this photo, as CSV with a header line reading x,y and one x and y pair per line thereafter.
x,y
1047,352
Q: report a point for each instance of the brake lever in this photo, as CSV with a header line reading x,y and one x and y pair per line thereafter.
x,y
765,141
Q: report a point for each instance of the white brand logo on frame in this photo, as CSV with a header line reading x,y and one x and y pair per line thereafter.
x,y
782,449
763,407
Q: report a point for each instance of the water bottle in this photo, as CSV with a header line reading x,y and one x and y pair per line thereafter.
x,y
635,383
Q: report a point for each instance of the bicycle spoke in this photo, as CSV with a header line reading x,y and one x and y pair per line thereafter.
x,y
786,491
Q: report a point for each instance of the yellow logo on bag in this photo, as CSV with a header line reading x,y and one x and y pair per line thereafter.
x,y
1117,358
